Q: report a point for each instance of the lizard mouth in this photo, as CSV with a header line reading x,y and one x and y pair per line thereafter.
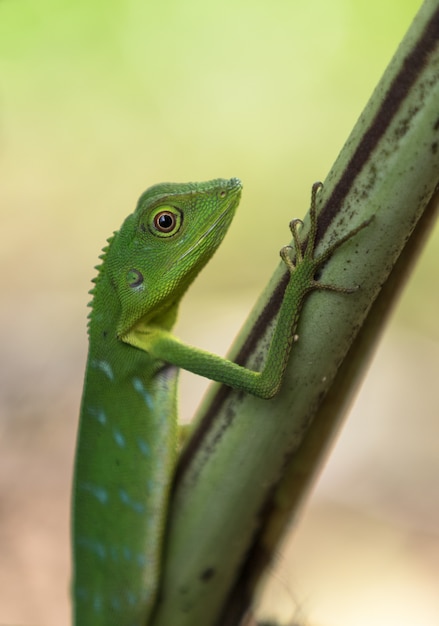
x,y
211,229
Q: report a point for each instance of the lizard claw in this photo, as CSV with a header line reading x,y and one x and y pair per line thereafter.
x,y
295,223
286,258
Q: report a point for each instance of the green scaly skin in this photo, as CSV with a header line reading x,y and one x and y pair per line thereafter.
x,y
127,442
127,439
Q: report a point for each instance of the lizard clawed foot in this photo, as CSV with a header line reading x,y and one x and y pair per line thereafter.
x,y
306,256
288,251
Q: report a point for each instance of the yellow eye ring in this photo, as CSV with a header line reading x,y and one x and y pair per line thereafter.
x,y
165,221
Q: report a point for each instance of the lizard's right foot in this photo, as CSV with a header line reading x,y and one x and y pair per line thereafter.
x,y
306,259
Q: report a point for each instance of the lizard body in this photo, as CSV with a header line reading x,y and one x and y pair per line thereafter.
x,y
127,440
128,433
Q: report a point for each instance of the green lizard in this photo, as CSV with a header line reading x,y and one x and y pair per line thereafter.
x,y
128,433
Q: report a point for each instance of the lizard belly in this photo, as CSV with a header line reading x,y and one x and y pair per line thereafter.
x,y
125,459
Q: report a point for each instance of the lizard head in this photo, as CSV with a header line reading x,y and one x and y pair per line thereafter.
x,y
161,247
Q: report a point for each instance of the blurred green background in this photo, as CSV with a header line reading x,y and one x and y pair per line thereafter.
x,y
97,102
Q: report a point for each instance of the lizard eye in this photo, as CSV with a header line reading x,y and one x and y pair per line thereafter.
x,y
165,221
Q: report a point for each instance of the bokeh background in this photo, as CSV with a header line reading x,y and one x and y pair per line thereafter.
x,y
97,102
